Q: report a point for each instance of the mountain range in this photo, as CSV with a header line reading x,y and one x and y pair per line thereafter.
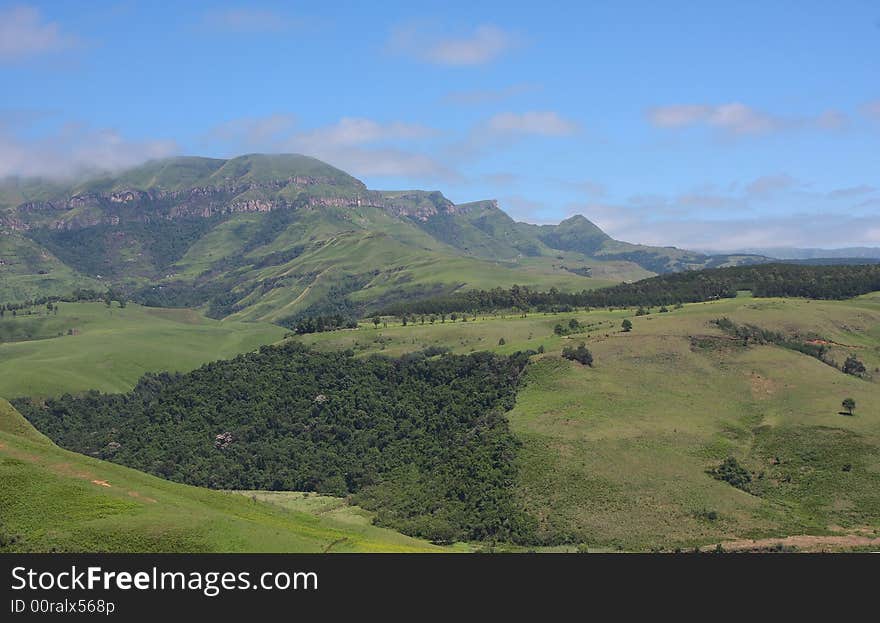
x,y
277,237
795,253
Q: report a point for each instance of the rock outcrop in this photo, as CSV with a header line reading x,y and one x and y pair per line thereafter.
x,y
132,205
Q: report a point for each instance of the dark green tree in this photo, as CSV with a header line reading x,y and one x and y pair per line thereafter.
x,y
581,354
853,366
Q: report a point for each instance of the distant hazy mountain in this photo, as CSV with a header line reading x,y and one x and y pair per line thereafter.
x,y
794,253
279,236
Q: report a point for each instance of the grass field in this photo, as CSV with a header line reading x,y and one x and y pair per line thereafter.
x,y
109,349
615,456
54,500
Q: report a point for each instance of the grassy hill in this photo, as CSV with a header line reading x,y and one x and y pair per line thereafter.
x,y
54,500
616,455
89,346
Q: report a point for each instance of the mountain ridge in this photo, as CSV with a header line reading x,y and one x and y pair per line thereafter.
x,y
275,236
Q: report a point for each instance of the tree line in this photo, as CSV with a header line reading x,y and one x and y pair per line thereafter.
x,y
78,295
765,280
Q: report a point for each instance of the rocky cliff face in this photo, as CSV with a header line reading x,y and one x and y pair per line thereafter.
x,y
131,205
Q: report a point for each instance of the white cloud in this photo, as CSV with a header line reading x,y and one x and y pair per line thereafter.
x,y
254,131
484,45
73,150
381,162
769,184
545,123
738,119
770,211
368,147
507,128
359,131
24,33
363,147
734,117
678,116
247,20
814,230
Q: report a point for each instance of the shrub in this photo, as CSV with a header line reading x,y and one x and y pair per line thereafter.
x,y
853,366
580,354
731,472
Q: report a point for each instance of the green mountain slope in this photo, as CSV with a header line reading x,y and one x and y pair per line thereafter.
x,y
280,236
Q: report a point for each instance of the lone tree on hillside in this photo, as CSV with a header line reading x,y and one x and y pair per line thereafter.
x,y
849,404
627,325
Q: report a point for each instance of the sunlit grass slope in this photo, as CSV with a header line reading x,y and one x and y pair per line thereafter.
x,y
616,455
89,346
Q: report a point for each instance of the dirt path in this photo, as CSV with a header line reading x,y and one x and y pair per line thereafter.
x,y
831,343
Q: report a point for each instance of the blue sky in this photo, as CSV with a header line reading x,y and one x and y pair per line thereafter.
x,y
703,125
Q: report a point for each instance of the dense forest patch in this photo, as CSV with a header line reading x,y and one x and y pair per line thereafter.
x,y
93,250
422,440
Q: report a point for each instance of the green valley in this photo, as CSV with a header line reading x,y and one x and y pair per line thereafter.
x,y
617,456
345,369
